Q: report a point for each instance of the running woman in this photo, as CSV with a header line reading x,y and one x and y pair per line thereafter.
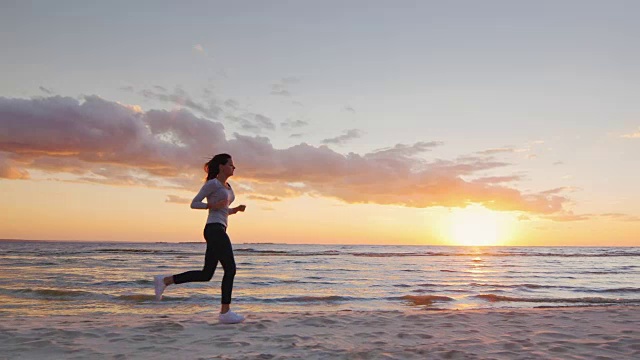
x,y
219,195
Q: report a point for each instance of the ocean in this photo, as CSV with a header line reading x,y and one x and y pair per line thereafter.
x,y
41,278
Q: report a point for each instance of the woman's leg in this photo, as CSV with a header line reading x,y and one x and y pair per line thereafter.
x,y
211,234
225,255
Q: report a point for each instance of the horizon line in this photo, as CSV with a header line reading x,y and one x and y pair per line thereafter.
x,y
310,244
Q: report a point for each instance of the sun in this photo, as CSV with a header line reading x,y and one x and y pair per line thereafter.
x,y
475,226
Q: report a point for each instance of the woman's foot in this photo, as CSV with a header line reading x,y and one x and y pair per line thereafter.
x,y
158,284
230,318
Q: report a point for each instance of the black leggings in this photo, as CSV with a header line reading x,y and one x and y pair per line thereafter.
x,y
218,249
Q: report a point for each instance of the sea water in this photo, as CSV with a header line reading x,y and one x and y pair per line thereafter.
x,y
85,278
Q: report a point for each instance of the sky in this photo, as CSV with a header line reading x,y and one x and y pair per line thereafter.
x,y
350,122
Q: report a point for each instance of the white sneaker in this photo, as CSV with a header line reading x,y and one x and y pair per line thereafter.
x,y
230,318
158,283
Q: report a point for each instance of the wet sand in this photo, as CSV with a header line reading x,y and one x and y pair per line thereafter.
x,y
562,333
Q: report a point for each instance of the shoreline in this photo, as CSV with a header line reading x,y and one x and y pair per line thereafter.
x,y
578,332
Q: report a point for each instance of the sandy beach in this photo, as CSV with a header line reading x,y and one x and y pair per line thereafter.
x,y
561,333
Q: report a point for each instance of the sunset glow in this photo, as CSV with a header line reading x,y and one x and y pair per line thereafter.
x,y
477,226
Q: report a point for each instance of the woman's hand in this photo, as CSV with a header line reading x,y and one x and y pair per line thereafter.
x,y
237,208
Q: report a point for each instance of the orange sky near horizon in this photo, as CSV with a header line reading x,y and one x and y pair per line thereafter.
x,y
91,212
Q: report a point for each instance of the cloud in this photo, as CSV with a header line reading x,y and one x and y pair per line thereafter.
x,y
568,216
233,104
134,108
403,150
495,151
181,98
296,136
10,169
634,135
175,199
263,198
96,140
498,179
264,122
501,150
620,217
344,138
252,122
281,88
60,134
198,48
291,80
293,124
212,108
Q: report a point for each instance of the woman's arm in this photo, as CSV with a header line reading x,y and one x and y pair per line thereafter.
x,y
206,190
